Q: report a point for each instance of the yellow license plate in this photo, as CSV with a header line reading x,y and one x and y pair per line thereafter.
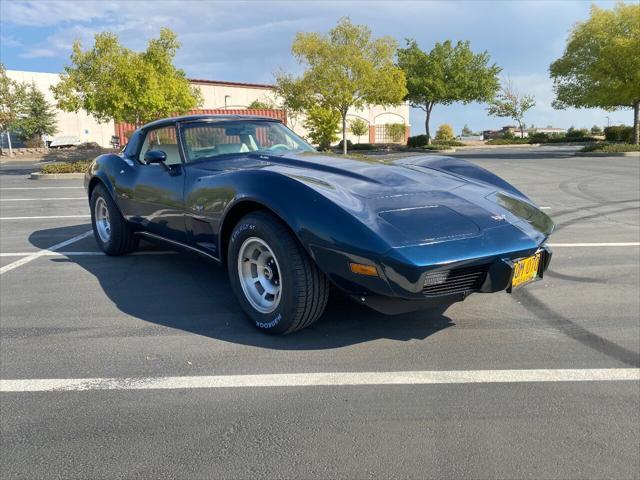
x,y
525,270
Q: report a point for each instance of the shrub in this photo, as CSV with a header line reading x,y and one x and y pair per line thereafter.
x,y
33,142
260,105
66,167
576,133
417,141
611,147
538,137
421,140
445,132
507,141
362,146
450,143
436,146
322,126
88,146
561,139
349,145
619,133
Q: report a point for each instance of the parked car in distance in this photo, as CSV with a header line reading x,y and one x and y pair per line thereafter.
x,y
287,221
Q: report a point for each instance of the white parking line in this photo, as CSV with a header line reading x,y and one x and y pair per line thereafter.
x,y
41,253
48,253
322,379
40,199
45,217
38,188
611,244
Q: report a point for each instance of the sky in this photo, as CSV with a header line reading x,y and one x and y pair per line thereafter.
x,y
248,41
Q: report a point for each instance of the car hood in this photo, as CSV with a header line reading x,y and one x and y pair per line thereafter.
x,y
416,200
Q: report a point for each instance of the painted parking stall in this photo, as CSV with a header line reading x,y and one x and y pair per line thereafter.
x,y
154,342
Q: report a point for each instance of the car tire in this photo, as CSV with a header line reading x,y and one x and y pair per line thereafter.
x,y
111,231
263,256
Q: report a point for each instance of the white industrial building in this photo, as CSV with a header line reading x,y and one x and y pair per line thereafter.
x,y
217,95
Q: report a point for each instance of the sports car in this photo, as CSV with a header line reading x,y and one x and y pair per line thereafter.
x,y
290,223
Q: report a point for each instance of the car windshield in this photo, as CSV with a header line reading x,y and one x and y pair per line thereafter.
x,y
204,140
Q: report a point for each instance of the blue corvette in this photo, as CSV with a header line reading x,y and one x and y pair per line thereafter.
x,y
288,222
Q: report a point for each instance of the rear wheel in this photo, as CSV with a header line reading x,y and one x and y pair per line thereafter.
x,y
279,287
111,231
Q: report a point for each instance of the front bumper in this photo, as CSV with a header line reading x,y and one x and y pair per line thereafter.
x,y
496,277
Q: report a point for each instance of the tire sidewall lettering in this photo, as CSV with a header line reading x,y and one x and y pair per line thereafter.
x,y
270,324
240,229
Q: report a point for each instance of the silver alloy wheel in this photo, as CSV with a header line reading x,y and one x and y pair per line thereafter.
x,y
103,222
259,275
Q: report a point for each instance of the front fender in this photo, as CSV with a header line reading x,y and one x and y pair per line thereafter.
x,y
464,169
330,234
105,169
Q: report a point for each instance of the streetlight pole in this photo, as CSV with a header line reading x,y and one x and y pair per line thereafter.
x,y
607,121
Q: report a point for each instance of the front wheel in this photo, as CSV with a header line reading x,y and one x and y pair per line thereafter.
x,y
279,287
111,231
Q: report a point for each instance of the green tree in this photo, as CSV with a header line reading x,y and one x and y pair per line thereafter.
x,y
447,74
349,69
358,127
12,99
38,117
600,66
293,96
322,125
112,82
466,131
259,105
445,132
596,130
396,131
511,104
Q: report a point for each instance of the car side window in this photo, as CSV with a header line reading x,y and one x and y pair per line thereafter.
x,y
165,140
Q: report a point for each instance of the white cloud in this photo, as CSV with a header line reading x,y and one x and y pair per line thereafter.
x,y
249,41
39,53
8,41
40,14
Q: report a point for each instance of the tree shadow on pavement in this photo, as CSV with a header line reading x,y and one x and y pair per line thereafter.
x,y
187,292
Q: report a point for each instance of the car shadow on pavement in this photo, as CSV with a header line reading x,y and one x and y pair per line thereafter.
x,y
187,292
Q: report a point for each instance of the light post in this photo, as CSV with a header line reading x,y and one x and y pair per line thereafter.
x,y
607,120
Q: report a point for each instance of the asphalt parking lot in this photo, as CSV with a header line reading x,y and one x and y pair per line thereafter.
x,y
129,321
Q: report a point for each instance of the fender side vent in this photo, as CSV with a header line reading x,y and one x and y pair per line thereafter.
x,y
447,282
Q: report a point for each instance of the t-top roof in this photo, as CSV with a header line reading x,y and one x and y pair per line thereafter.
x,y
208,118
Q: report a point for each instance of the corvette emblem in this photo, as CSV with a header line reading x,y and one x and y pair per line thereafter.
x,y
498,218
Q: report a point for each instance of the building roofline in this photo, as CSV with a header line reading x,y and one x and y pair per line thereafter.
x,y
230,84
200,81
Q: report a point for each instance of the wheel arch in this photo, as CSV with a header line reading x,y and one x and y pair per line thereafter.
x,y
99,180
233,215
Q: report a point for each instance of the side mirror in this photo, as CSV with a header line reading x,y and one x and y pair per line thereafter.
x,y
155,156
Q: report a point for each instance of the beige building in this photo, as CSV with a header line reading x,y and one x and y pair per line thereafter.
x,y
85,127
216,95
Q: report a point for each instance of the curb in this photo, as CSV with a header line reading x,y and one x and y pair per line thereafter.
x,y
496,147
607,154
427,150
55,176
